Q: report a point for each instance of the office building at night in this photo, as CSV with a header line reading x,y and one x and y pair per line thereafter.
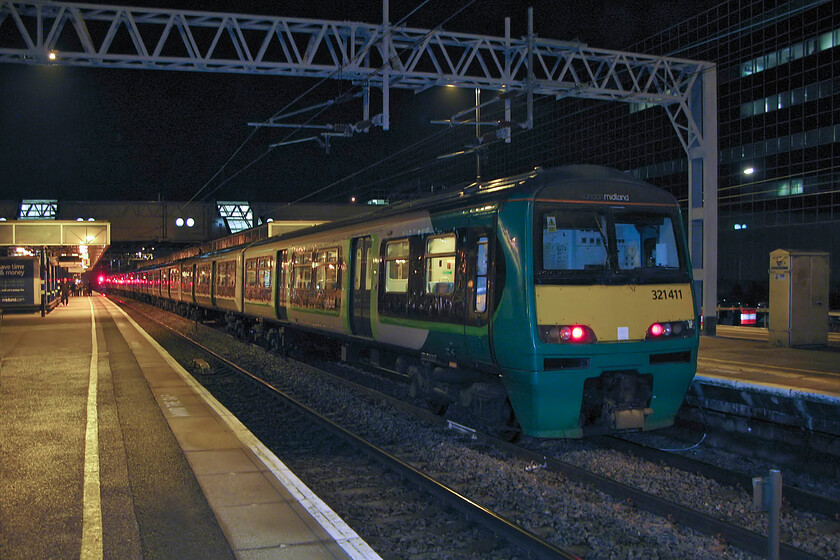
x,y
778,75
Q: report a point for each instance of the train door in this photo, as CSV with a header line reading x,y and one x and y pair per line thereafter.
x,y
360,287
282,283
478,294
213,280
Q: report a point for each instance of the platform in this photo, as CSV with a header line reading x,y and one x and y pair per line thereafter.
x,y
739,372
111,450
742,353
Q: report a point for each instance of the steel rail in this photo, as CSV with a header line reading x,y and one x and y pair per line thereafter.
x,y
487,518
739,537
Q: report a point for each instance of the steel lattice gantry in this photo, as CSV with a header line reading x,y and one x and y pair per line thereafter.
x,y
383,56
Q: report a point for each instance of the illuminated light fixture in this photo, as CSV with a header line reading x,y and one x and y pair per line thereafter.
x,y
740,226
749,170
80,219
566,333
269,220
352,199
91,219
676,329
179,222
190,222
52,55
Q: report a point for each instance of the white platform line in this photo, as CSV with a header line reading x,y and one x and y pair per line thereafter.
x,y
91,501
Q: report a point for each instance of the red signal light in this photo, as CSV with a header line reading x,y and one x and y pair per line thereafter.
x,y
656,329
578,333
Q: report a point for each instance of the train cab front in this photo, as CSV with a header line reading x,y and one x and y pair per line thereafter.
x,y
616,334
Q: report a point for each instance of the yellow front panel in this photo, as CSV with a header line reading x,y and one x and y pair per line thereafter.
x,y
614,312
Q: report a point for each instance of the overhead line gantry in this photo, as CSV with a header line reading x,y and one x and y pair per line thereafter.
x,y
382,56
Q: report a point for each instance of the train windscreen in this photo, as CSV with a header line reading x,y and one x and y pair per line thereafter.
x,y
609,246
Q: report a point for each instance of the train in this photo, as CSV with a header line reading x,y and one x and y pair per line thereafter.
x,y
558,303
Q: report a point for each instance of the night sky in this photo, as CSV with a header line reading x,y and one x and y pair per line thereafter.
x,y
75,133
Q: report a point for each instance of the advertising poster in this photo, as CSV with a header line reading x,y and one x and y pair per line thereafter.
x,y
18,276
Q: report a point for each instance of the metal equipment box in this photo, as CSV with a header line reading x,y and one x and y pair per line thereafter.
x,y
799,298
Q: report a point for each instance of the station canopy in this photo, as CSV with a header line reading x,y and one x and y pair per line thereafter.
x,y
76,246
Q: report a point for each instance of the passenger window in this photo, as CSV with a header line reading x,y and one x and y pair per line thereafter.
x,y
258,278
266,264
440,264
250,273
326,271
186,279
396,267
481,276
302,271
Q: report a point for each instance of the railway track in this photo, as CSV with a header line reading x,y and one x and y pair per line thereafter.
x,y
731,533
795,496
355,471
675,513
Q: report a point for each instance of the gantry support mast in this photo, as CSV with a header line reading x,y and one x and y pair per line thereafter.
x,y
382,56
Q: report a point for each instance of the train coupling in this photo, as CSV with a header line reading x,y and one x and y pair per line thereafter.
x,y
628,418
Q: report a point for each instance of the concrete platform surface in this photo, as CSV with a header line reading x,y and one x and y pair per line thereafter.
x,y
111,450
750,361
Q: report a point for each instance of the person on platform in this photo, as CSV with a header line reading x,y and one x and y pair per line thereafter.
x,y
65,292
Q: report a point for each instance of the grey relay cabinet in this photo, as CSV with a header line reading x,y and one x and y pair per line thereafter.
x,y
799,298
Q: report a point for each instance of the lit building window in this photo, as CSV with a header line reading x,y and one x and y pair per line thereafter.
x,y
797,96
788,188
636,107
823,42
237,215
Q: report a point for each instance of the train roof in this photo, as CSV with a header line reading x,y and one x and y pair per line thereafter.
x,y
570,183
595,184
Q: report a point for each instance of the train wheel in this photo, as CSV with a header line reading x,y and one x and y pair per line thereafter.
x,y
420,389
510,430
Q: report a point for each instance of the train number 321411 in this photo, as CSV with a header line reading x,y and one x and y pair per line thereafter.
x,y
667,294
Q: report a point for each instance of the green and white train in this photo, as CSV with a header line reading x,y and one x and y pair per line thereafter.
x,y
559,302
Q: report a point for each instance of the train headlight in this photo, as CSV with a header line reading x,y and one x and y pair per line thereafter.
x,y
670,329
560,334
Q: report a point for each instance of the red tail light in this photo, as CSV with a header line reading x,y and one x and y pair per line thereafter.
x,y
558,334
671,329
